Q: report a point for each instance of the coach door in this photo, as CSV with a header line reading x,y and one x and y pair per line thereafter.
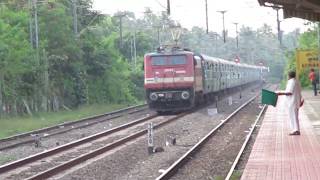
x,y
198,73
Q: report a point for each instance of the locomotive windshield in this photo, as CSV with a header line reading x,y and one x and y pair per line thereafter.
x,y
168,60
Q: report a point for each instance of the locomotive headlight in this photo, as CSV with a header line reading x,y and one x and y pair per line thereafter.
x,y
153,96
185,95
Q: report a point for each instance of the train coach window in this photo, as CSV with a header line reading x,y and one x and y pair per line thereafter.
x,y
168,60
176,60
158,60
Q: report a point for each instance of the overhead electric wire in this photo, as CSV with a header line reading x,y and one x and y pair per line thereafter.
x,y
161,4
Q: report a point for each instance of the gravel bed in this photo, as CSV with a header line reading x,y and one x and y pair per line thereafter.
x,y
62,128
133,161
246,153
47,163
215,158
72,135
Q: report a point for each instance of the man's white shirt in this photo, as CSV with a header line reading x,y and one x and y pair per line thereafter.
x,y
293,86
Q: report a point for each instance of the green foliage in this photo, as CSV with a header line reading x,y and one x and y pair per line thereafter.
x,y
304,79
137,79
14,45
307,41
15,56
70,70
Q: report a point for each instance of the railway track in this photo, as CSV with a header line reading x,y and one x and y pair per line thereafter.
x,y
28,168
32,136
71,154
244,145
190,155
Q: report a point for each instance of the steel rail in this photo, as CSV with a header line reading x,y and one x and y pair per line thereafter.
x,y
32,158
67,165
244,145
180,162
66,127
68,123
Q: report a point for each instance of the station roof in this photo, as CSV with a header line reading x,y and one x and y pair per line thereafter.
x,y
305,9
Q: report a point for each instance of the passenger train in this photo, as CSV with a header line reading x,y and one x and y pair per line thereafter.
x,y
177,79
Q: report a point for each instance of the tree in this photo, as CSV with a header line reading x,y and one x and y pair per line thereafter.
x,y
15,58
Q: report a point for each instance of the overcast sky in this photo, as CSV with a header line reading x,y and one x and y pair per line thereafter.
x,y
192,13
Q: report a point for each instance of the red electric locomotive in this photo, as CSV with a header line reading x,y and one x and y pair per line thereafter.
x,y
176,79
172,79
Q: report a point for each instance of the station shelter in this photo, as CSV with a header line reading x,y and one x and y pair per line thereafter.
x,y
276,154
305,9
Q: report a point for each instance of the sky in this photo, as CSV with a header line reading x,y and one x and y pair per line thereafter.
x,y
191,13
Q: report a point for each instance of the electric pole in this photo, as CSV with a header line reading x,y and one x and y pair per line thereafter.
x,y
36,25
237,37
135,49
318,48
34,38
215,42
224,31
31,22
75,17
168,8
207,16
131,48
278,26
158,27
120,16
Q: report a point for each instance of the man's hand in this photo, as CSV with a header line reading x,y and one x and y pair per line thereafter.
x,y
284,93
301,103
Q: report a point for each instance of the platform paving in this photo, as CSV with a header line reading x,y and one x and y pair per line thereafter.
x,y
276,155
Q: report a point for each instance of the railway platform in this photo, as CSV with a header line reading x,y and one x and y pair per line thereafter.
x,y
276,155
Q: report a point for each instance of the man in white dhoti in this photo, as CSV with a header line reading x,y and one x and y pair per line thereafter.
x,y
294,102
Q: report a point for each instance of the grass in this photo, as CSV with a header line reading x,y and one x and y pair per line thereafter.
x,y
13,125
5,158
236,175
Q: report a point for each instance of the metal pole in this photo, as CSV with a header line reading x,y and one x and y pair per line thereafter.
x,y
251,55
75,17
46,81
31,23
36,30
120,16
158,30
318,52
1,97
131,48
36,24
168,8
216,42
278,26
207,24
237,38
135,49
224,31
121,31
38,91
